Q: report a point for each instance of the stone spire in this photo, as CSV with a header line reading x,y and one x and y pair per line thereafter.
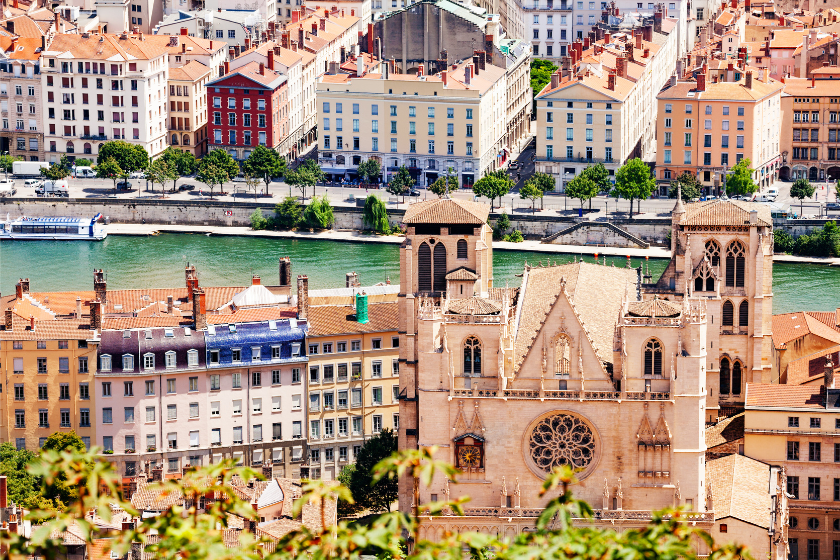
x,y
678,207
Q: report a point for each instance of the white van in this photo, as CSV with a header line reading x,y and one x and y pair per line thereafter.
x,y
772,194
84,172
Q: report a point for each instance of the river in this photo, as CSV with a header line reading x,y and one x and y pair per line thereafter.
x,y
158,262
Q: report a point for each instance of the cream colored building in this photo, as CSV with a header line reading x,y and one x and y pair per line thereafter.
x,y
454,119
188,107
353,374
810,130
796,428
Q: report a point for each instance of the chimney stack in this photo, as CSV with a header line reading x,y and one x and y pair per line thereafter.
x,y
255,280
237,50
701,82
443,77
22,288
829,373
31,323
199,309
192,278
638,40
170,304
611,81
586,43
748,80
100,285
555,80
78,307
247,43
303,296
262,69
4,496
285,271
96,315
621,66
227,68
271,59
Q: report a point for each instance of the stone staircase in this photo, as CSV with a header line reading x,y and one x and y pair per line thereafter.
x,y
606,225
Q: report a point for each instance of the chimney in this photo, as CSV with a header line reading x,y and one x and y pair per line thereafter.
x,y
639,41
127,525
295,16
748,80
231,52
621,66
271,59
237,50
586,43
837,317
96,315
315,29
747,5
100,285
322,24
247,43
813,81
13,524
647,53
57,18
607,37
630,51
648,33
199,309
475,65
555,80
701,82
420,70
8,319
78,307
227,68
184,31
284,39
285,271
443,77
192,278
611,81
4,496
657,22
360,65
301,38
303,296
467,75
255,280
31,323
183,47
342,55
24,286
262,69
734,4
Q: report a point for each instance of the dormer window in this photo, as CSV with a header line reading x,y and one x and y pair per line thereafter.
x,y
105,362
168,333
192,358
148,361
128,362
170,359
236,354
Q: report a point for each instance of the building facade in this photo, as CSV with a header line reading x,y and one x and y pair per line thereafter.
x,y
22,103
810,146
188,107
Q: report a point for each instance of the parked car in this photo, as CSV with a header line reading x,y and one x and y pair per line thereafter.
x,y
186,187
124,185
33,183
832,205
413,192
708,197
239,178
137,175
513,165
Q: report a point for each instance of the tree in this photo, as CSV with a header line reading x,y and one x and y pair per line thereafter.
x,y
287,214
837,190
130,157
634,181
801,189
61,492
531,191
184,162
740,181
83,162
689,186
258,221
222,160
266,164
6,162
502,225
161,171
252,183
375,496
375,215
446,184
541,71
54,172
23,488
307,174
400,183
212,175
319,213
599,175
110,169
369,171
494,184
582,187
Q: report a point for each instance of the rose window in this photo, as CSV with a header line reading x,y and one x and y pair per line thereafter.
x,y
562,439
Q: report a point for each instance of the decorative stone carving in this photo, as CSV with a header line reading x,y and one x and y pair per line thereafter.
x,y
561,438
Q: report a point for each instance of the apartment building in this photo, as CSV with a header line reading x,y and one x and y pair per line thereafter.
x,y
47,358
229,26
549,27
289,63
455,119
353,379
706,128
796,427
21,100
102,87
250,107
188,107
184,48
810,131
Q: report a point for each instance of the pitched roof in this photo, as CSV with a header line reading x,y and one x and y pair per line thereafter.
x,y
473,306
271,79
189,72
596,291
790,326
462,273
725,431
104,47
653,308
446,211
740,489
724,213
327,320
761,395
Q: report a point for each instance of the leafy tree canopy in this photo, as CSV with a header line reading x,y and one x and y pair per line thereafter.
x,y
319,213
401,182
689,186
740,181
222,160
374,495
212,175
541,71
493,185
582,188
288,214
266,164
130,157
183,161
375,215
369,170
633,180
307,174
531,190
54,172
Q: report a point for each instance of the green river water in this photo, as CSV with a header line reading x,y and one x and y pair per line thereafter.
x,y
158,262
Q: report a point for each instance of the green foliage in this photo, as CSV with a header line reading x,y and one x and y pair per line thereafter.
x,y
23,488
6,162
502,225
161,171
319,213
183,161
369,170
266,164
55,172
821,242
212,175
110,169
740,181
531,191
287,214
130,157
801,189
82,162
61,491
447,183
252,183
401,182
837,189
258,221
582,187
633,180
783,242
306,175
599,175
689,186
222,160
543,181
346,508
375,215
493,185
514,237
368,492
541,71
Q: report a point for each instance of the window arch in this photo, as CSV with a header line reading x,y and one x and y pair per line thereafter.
x,y
736,377
735,263
728,314
698,284
424,268
175,139
440,268
744,314
562,355
713,252
186,141
472,357
87,148
70,148
724,376
462,249
653,357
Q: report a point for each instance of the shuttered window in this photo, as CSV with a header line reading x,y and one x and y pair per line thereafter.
x,y
440,268
744,313
724,376
728,313
735,263
462,249
424,268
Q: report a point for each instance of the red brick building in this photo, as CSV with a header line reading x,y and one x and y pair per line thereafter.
x,y
248,107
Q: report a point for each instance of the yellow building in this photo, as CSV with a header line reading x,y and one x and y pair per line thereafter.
x,y
353,377
188,107
47,362
798,428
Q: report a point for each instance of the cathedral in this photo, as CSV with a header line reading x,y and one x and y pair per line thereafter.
x,y
599,367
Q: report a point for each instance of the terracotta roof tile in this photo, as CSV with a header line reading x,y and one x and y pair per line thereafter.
x,y
327,320
189,72
473,306
55,329
462,274
105,47
725,431
740,489
783,396
446,211
653,308
790,326
724,213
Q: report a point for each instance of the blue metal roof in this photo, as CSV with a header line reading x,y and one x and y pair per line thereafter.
x,y
265,335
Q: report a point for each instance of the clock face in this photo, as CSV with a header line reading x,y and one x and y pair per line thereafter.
x,y
469,456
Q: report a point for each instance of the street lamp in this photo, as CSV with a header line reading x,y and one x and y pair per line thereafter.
x,y
6,166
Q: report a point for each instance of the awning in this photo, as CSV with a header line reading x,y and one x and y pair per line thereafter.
x,y
334,170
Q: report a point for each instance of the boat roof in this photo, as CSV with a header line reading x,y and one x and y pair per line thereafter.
x,y
53,220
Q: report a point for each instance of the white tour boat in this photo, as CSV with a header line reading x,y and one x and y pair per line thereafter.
x,y
53,228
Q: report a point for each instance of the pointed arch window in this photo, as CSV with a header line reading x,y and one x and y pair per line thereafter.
x,y
713,252
728,314
735,264
440,268
462,249
744,314
724,377
562,355
424,268
736,377
472,357
653,357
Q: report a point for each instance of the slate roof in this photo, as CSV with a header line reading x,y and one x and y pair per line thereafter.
x,y
447,211
740,489
727,430
326,320
597,292
724,213
247,336
473,306
653,308
761,395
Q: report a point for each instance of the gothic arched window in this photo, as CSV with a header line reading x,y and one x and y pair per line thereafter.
x,y
440,268
736,378
698,284
472,357
424,268
735,263
562,355
713,252
728,314
653,357
744,314
724,376
462,249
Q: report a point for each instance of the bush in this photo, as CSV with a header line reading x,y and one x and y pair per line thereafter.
x,y
319,213
287,214
514,237
502,225
258,221
376,215
82,162
821,242
783,242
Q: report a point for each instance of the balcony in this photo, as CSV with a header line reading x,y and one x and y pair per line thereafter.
x,y
580,159
101,137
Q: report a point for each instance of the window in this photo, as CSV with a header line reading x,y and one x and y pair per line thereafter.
x,y
735,264
793,486
256,378
357,425
150,414
128,413
276,431
149,361
472,357
215,382
237,380
814,451
814,488
275,404
237,435
793,421
216,436
275,377
237,406
377,424
315,429
150,388
815,422
793,451
653,357
256,406
83,362
215,408
813,549
171,412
